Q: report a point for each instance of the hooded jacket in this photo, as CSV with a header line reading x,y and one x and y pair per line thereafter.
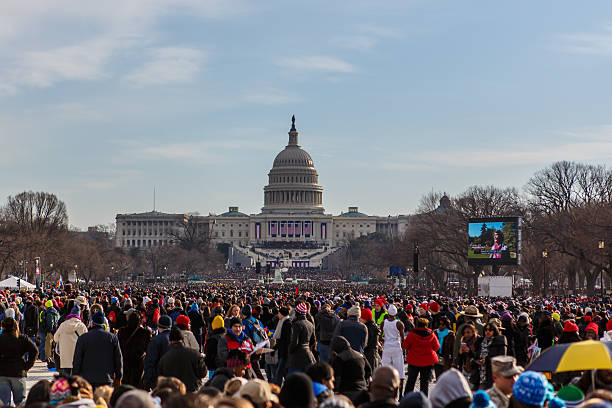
x,y
350,367
325,324
421,346
66,337
451,386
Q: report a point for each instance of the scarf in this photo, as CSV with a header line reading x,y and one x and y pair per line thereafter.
x,y
233,336
484,352
441,335
279,327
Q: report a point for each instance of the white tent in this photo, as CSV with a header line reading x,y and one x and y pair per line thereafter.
x,y
11,283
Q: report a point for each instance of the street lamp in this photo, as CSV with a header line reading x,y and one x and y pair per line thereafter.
x,y
602,246
544,256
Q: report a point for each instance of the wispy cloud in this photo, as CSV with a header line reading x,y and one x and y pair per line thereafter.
x,y
599,43
365,37
270,97
83,61
204,152
169,65
588,145
317,63
355,42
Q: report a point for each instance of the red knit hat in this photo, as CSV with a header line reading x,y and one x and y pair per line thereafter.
x,y
302,308
182,319
570,327
587,318
592,326
434,307
423,306
366,314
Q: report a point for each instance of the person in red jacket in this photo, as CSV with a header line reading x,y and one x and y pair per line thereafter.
x,y
421,346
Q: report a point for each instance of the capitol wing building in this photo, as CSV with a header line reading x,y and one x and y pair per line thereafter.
x,y
292,227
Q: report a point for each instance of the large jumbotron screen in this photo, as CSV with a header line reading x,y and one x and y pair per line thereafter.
x,y
494,241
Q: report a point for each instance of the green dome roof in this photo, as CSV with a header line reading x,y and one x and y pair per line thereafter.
x,y
233,212
353,212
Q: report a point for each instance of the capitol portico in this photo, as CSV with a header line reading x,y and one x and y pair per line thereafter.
x,y
292,223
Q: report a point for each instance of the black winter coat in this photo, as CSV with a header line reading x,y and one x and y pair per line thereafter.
x,y
325,323
30,316
185,364
155,350
133,343
97,357
211,348
282,344
545,334
301,344
371,348
496,348
351,369
12,352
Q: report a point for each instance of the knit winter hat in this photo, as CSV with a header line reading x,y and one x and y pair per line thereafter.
x,y
531,388
415,399
354,311
217,323
297,392
366,314
98,318
303,309
247,310
234,321
392,310
434,307
76,310
592,326
556,316
183,320
570,327
10,312
49,303
556,402
164,321
571,395
481,400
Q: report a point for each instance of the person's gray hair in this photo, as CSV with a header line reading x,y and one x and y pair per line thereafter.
x,y
136,399
337,401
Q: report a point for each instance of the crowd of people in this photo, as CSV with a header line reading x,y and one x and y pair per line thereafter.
x,y
240,346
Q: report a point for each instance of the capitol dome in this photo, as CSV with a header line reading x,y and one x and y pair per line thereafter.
x,y
293,181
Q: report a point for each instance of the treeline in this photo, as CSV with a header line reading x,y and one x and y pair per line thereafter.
x,y
567,231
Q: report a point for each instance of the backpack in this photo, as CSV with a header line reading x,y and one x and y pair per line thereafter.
x,y
259,334
51,321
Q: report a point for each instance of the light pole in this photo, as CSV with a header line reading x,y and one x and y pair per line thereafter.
x,y
545,285
602,246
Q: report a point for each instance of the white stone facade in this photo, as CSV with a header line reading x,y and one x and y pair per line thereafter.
x,y
292,216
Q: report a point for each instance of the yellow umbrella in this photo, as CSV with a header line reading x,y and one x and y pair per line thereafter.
x,y
582,355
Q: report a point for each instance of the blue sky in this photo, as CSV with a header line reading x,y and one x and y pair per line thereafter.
x,y
474,228
99,103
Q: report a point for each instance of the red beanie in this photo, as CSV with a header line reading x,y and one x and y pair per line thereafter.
x,y
182,319
434,307
423,306
570,327
609,325
587,318
592,326
366,314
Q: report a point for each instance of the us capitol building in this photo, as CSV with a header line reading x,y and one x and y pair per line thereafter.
x,y
292,226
